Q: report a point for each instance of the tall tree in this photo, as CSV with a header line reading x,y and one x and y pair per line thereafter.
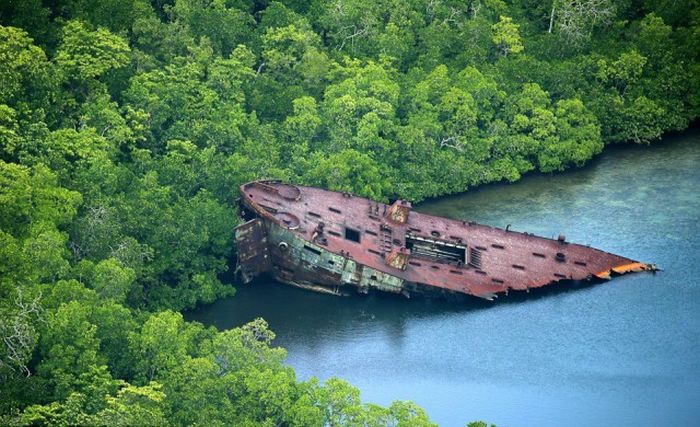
x,y
506,36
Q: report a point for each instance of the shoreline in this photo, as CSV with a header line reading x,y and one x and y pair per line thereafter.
x,y
666,139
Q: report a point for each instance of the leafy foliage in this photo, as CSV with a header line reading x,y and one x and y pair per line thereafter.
x,y
127,126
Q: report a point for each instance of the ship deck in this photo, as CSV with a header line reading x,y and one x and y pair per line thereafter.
x,y
495,260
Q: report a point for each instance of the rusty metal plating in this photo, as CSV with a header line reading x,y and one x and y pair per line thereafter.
x,y
339,243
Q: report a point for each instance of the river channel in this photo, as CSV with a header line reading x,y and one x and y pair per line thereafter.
x,y
624,352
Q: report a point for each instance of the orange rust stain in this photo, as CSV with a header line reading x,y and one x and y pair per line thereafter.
x,y
625,268
603,275
632,267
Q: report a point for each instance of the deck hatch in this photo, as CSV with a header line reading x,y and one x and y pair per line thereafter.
x,y
352,234
475,257
435,249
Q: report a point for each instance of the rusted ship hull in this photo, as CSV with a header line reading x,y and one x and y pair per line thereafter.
x,y
338,243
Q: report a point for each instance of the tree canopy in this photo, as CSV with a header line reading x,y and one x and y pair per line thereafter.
x,y
127,126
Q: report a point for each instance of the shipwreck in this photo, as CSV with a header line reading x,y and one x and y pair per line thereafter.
x,y
338,243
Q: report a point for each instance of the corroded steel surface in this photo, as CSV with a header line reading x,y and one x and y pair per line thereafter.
x,y
251,241
320,238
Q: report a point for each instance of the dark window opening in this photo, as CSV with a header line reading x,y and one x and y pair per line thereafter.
x,y
352,235
435,250
312,250
333,233
334,210
314,214
370,232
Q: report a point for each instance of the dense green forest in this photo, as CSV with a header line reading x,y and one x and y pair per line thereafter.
x,y
127,125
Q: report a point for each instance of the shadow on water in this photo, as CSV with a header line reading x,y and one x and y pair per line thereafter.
x,y
321,315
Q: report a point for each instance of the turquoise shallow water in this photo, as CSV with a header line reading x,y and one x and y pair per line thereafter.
x,y
625,352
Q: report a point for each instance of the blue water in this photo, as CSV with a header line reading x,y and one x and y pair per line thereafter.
x,y
624,352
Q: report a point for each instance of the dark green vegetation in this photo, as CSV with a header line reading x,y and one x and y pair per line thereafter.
x,y
126,126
